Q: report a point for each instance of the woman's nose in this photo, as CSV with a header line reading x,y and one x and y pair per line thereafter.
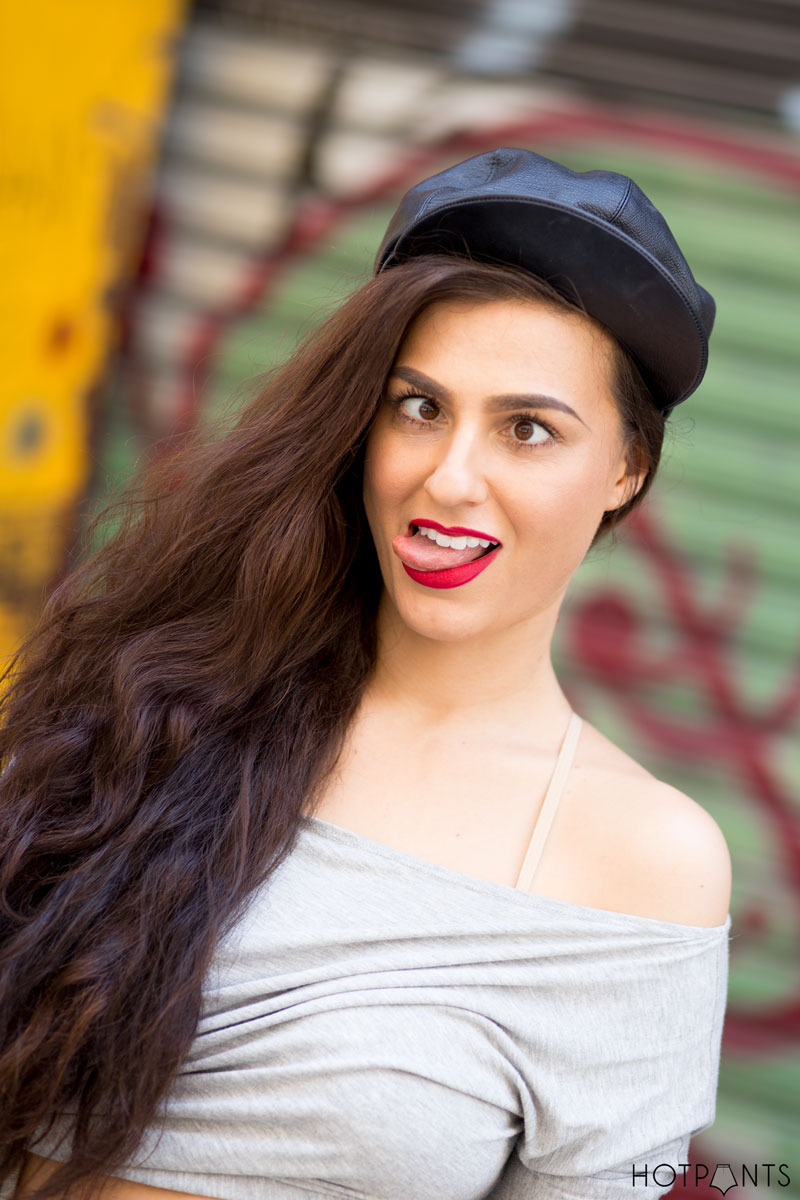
x,y
458,475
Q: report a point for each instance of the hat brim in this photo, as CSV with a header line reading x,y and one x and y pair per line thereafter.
x,y
584,258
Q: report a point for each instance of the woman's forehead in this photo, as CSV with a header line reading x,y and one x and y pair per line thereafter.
x,y
507,336
539,315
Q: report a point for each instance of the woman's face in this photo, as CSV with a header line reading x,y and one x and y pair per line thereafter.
x,y
497,418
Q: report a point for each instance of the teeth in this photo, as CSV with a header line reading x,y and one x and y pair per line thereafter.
x,y
455,543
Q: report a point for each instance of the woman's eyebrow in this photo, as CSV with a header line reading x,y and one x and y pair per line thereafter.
x,y
504,403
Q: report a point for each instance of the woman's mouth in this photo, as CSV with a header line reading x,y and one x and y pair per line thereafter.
x,y
447,559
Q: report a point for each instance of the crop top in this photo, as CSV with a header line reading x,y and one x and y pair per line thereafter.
x,y
377,1026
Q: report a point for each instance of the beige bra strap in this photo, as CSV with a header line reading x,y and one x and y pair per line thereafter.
x,y
550,803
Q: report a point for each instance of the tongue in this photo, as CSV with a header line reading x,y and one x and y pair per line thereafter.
x,y
419,551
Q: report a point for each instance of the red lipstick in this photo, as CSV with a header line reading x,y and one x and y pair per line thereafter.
x,y
453,576
443,576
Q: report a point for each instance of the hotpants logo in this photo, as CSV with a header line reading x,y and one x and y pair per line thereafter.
x,y
721,1176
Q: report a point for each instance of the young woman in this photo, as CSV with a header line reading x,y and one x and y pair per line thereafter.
x,y
312,881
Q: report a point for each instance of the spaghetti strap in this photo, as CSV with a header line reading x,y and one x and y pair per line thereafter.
x,y
550,803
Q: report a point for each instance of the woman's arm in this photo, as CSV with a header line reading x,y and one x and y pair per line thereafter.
x,y
37,1169
638,1052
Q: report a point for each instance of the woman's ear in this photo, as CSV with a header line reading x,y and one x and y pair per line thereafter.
x,y
631,478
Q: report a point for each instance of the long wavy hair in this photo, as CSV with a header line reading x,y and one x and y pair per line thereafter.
x,y
182,699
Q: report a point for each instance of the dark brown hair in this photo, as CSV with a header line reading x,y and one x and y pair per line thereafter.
x,y
183,697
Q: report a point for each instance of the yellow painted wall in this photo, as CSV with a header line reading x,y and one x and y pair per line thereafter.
x,y
82,89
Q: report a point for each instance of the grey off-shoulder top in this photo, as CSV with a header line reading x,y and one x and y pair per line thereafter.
x,y
380,1027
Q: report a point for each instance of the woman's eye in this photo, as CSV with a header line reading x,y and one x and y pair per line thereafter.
x,y
418,407
530,431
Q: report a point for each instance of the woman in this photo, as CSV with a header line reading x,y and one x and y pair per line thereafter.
x,y
279,761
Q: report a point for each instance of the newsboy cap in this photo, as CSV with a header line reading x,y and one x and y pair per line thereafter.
x,y
594,235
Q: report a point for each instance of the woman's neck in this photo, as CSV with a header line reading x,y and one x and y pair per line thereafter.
x,y
495,680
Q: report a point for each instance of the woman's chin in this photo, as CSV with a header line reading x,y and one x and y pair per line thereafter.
x,y
430,619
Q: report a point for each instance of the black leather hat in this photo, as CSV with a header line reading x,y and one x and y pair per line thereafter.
x,y
593,235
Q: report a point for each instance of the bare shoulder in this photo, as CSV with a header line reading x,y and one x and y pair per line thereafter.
x,y
672,859
689,863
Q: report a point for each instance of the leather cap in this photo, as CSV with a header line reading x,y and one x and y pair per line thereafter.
x,y
593,235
